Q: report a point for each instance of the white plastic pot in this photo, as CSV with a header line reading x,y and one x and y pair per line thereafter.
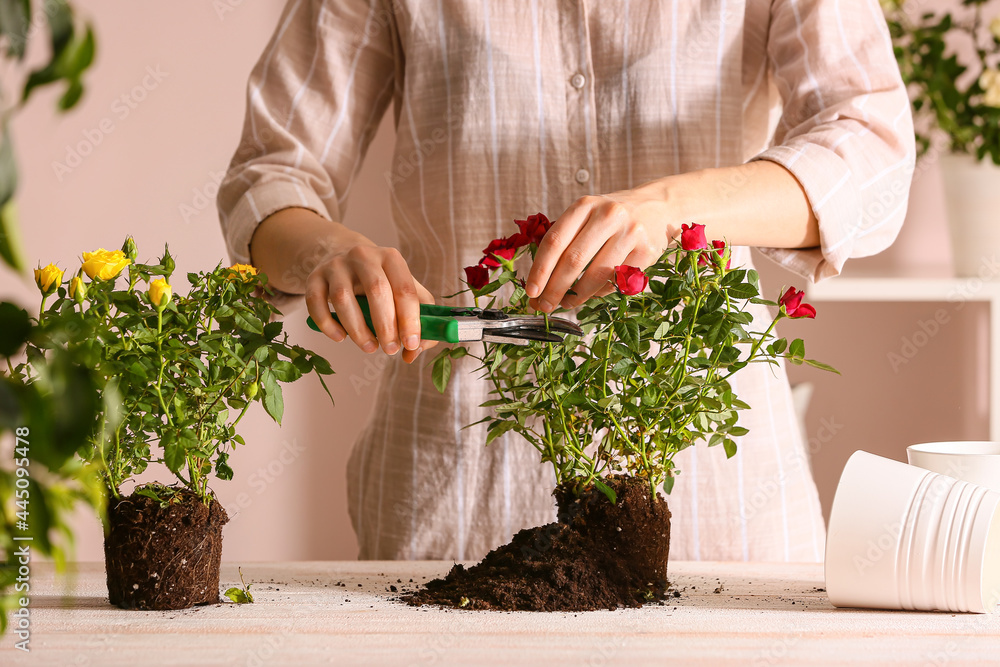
x,y
973,461
972,198
901,537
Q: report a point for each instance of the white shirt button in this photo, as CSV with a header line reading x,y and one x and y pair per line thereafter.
x,y
582,176
578,80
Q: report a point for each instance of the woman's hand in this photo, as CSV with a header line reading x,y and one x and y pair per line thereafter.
x,y
394,299
302,252
759,203
594,235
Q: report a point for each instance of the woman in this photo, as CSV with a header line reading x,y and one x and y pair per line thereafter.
x,y
782,125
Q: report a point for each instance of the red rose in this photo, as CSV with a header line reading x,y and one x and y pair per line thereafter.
x,y
630,280
792,302
534,227
504,248
720,247
477,276
693,237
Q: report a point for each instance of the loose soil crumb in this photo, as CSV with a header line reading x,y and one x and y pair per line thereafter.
x,y
595,556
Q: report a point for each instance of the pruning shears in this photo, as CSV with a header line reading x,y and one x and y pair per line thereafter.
x,y
458,324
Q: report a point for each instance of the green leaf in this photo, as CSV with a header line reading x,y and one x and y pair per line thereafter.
x,y
69,64
271,329
60,18
8,166
74,91
274,403
628,333
173,451
730,447
668,484
285,371
248,322
10,239
498,428
820,365
238,595
15,327
321,365
441,371
742,291
797,348
778,346
606,490
222,469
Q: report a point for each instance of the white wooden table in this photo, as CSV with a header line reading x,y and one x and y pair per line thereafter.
x,y
764,614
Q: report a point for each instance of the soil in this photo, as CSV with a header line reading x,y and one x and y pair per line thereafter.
x,y
163,558
595,556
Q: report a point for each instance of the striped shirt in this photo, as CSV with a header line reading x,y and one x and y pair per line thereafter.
x,y
505,108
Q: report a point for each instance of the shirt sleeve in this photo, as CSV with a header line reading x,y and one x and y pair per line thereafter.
x,y
314,100
846,129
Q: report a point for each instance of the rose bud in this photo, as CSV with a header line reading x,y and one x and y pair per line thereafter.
x,y
693,237
630,280
791,302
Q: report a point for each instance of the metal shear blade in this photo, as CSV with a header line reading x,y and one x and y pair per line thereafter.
x,y
493,326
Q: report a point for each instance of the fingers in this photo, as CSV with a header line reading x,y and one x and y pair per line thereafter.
x,y
410,355
606,236
376,268
394,299
345,303
425,297
317,303
601,271
552,247
407,302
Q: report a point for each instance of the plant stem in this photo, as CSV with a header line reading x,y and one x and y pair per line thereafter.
x,y
159,357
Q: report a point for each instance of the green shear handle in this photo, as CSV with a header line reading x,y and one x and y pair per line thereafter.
x,y
436,322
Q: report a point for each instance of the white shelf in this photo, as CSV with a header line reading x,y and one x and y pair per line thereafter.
x,y
926,288
843,288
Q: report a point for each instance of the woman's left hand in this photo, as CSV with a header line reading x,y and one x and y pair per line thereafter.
x,y
593,236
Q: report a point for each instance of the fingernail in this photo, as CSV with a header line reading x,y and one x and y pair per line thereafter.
x,y
412,342
532,290
391,348
544,305
337,336
369,347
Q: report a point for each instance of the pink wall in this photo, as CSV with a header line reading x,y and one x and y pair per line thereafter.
x,y
152,173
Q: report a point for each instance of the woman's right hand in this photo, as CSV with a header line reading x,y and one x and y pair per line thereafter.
x,y
394,299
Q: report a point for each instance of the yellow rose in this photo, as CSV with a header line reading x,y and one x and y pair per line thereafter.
x,y
995,27
104,264
48,279
77,290
244,270
989,81
160,292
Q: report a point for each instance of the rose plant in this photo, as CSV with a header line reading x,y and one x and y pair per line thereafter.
x,y
609,410
177,374
651,375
